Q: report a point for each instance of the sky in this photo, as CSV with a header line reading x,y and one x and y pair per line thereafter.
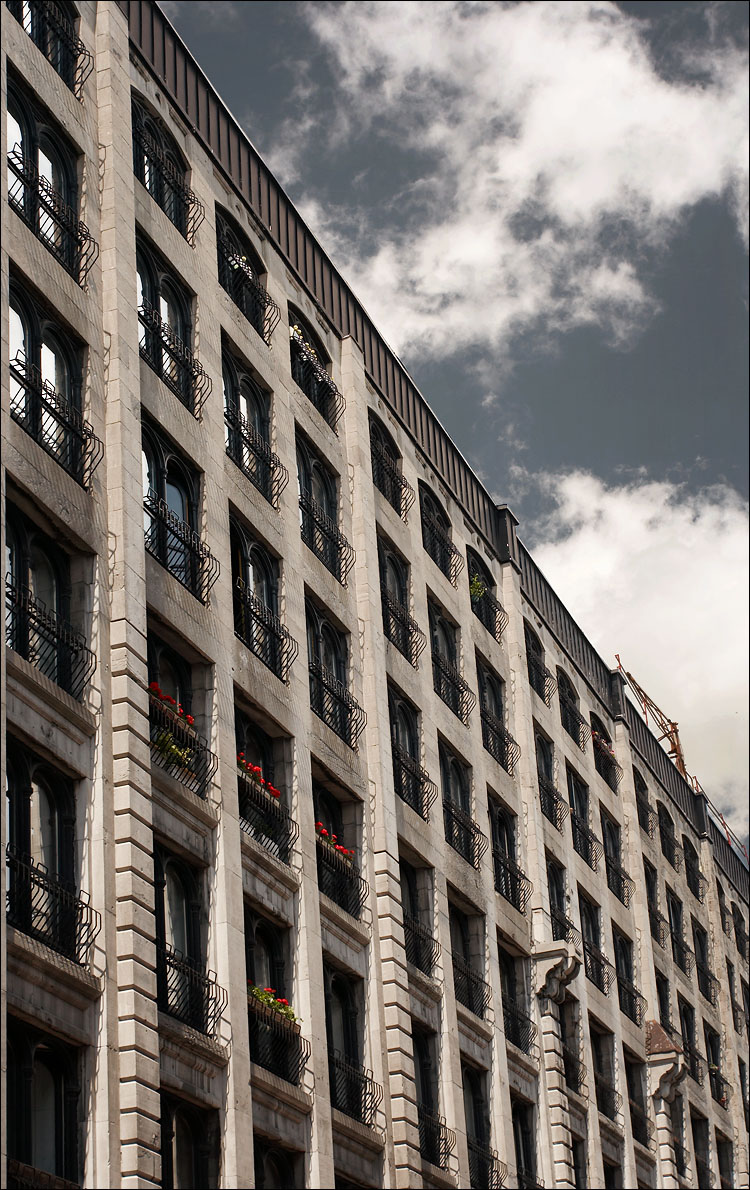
x,y
544,207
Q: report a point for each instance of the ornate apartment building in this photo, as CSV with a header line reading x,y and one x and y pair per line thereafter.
x,y
336,855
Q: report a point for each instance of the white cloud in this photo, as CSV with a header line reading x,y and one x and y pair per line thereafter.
x,y
660,576
555,154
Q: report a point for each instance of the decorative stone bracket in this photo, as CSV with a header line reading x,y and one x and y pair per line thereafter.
x,y
556,967
665,1063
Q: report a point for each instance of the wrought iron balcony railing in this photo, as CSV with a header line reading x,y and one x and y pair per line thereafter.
x,y
542,682
388,479
510,881
471,990
554,807
332,702
436,1140
178,548
353,1089
263,632
727,921
659,925
680,1157
41,905
451,688
165,182
641,1125
646,816
527,1180
499,742
463,834
237,277
632,1003
598,968
265,819
740,936
574,1071
412,783
703,1170
696,881
694,1061
172,360
340,880
53,422
486,1170
47,26
441,549
618,881
422,950
177,747
52,221
682,954
520,1030
491,612
585,842
325,539
608,1100
707,983
316,384
188,992
275,1042
669,847
254,456
721,1088
563,929
605,763
400,629
574,722
47,642
26,1177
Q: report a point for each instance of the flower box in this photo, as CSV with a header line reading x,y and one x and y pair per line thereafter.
x,y
254,773
265,1003
332,841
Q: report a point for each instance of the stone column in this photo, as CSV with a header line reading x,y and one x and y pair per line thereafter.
x,y
666,1070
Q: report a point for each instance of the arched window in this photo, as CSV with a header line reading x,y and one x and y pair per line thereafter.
x,y
491,693
456,780
436,535
503,825
52,27
181,989
424,1079
311,365
386,463
247,428
404,725
570,715
328,810
326,645
170,672
189,1149
43,1085
328,658
318,502
604,754
558,895
166,329
253,567
545,765
161,168
342,1018
274,1167
484,603
540,678
667,836
264,952
394,574
316,482
170,518
475,1108
695,878
442,634
242,275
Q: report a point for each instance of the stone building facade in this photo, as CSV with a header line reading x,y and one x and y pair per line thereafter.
x,y
289,706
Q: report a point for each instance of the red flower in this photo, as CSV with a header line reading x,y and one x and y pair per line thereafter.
x,y
168,698
324,833
271,990
155,687
318,824
189,719
281,1001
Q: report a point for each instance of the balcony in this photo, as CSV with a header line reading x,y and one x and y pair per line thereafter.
x,y
47,642
400,629
309,374
527,1180
53,422
574,1071
332,702
353,1089
340,881
178,548
26,1177
696,881
563,929
604,761
721,1089
695,1062
177,747
422,950
486,1170
47,27
451,688
265,819
436,1141
646,816
707,983
263,633
244,288
165,182
632,1003
682,954
510,881
574,722
641,1126
727,921
619,882
441,549
470,988
555,808
275,1042
412,783
542,682
659,925
172,361
499,742
519,1028
187,992
390,482
598,969
585,842
740,935
608,1101
254,456
491,613
44,907
323,537
669,847
52,221
463,834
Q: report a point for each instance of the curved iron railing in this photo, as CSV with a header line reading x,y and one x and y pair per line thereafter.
x,y
598,968
574,722
670,848
275,1042
563,929
388,479
721,1088
740,937
642,1127
46,641
618,881
632,1003
554,807
510,881
708,984
658,924
262,632
694,1061
332,702
176,747
353,1089
53,422
412,783
237,277
26,1177
519,1028
646,816
527,1180
254,456
422,950
340,880
574,1071
400,629
471,990
188,992
585,842
696,881
436,1140
265,819
310,375
178,548
463,834
52,221
542,682
325,539
451,688
492,614
608,1100
172,360
441,549
48,28
165,183
486,1170
682,954
41,905
605,763
499,742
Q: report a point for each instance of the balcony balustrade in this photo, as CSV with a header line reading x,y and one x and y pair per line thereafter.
x,y
262,632
463,834
177,747
659,925
441,549
178,548
740,937
721,1089
332,702
53,422
574,1071
323,536
598,969
254,456
727,921
265,819
499,742
237,277
542,682
641,1126
451,688
186,991
707,983
696,881
412,783
563,929
390,482
647,818
340,880
585,842
486,1170
492,614
682,954
172,360
694,1062
605,763
46,641
310,375
422,950
49,909
165,182
52,221
669,846
619,882
26,1177
46,24
400,629
275,1042
471,990
554,807
520,1030
527,1180
608,1100
436,1140
574,722
632,1003
510,881
353,1089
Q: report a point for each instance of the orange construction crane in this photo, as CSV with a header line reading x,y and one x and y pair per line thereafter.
x,y
667,727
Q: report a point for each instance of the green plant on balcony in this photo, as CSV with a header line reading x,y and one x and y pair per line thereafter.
x,y
276,1003
477,588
